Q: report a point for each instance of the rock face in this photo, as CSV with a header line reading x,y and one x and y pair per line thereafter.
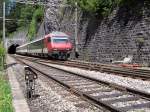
x,y
18,38
124,32
51,15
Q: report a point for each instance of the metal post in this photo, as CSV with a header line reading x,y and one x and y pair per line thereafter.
x,y
44,18
6,44
76,31
3,57
4,24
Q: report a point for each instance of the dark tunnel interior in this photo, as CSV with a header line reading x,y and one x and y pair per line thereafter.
x,y
12,49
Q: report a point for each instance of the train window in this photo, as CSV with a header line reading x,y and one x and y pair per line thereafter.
x,y
49,39
60,40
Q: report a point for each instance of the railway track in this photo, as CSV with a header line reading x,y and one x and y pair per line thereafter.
x,y
117,70
113,97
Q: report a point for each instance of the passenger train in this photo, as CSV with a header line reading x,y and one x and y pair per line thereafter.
x,y
56,45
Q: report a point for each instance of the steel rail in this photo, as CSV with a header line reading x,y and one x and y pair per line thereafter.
x,y
129,72
142,93
79,93
101,103
122,88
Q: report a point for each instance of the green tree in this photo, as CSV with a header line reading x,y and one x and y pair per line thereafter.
x,y
20,14
37,18
101,7
26,15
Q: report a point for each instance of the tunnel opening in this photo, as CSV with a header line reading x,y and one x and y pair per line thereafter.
x,y
12,49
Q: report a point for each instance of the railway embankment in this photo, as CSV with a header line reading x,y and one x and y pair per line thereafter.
x,y
5,90
49,95
18,99
5,94
73,79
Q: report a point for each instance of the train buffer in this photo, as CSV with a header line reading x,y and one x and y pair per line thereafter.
x,y
30,77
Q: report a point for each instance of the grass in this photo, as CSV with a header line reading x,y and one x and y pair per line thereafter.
x,y
5,95
1,64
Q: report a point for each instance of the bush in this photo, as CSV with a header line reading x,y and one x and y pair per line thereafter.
x,y
5,96
26,15
37,18
2,50
101,7
2,55
32,29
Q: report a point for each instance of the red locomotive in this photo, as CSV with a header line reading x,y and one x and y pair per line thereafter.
x,y
56,45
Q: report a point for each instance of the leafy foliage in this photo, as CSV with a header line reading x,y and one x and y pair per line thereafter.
x,y
2,55
2,50
32,29
5,96
26,15
101,7
89,5
23,16
37,18
12,12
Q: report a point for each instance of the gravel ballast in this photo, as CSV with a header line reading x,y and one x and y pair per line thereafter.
x,y
123,81
53,97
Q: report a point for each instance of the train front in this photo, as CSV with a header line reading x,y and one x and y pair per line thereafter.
x,y
60,46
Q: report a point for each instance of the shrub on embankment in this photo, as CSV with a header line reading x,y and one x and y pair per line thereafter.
x,y
2,55
5,95
5,90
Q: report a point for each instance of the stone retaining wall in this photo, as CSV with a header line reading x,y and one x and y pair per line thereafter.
x,y
124,32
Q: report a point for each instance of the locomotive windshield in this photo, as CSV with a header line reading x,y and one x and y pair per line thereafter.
x,y
60,40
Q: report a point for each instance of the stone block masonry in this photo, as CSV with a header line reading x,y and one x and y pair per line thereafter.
x,y
124,32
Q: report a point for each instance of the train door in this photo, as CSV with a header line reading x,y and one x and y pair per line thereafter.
x,y
47,44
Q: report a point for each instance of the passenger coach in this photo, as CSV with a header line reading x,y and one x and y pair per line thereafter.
x,y
56,45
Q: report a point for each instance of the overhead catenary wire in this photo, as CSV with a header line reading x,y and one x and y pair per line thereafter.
x,y
15,20
4,24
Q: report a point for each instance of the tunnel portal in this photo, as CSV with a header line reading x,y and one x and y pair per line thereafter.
x,y
12,49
